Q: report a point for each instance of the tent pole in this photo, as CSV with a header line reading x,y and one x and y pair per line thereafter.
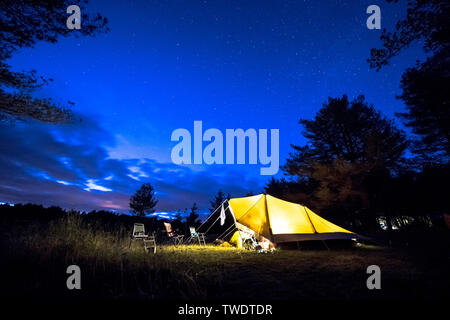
x,y
227,230
228,233
312,225
268,219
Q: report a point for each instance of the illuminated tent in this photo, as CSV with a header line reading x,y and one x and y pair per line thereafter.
x,y
272,219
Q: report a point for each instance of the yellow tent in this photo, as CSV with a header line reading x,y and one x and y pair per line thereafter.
x,y
280,221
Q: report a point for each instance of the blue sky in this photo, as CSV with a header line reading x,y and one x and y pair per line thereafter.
x,y
231,64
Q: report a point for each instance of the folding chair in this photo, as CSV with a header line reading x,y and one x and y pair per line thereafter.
x,y
149,241
177,239
196,236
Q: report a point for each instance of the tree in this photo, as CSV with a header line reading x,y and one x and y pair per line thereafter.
x,y
23,23
218,199
143,201
192,218
347,142
298,189
351,131
425,20
177,222
277,187
424,85
425,94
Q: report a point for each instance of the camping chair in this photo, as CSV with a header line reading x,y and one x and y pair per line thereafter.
x,y
196,236
149,241
177,239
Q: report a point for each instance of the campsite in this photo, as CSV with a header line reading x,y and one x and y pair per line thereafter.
x,y
225,154
36,252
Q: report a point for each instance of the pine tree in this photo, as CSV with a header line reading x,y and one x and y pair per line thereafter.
x,y
143,201
192,218
218,199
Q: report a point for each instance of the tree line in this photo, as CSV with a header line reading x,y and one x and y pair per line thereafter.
x,y
357,167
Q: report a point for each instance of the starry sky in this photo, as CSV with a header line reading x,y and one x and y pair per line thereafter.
x,y
164,64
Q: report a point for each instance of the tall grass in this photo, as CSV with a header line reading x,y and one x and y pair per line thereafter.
x,y
111,265
34,258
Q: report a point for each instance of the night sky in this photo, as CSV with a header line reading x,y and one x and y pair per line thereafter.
x,y
231,64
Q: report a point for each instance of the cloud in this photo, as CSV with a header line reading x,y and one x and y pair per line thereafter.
x,y
70,166
91,185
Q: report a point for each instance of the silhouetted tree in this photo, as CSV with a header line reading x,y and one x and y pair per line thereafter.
x,y
425,93
143,201
298,190
277,187
426,20
351,131
23,23
218,199
424,85
179,221
347,141
192,218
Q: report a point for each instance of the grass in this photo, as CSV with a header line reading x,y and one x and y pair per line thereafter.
x,y
35,258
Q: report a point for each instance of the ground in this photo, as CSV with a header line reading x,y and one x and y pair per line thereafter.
x,y
35,262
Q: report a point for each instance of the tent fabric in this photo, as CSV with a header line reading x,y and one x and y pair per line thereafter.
x,y
236,239
252,213
282,221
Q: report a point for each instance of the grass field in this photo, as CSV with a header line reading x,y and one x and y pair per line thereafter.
x,y
34,259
